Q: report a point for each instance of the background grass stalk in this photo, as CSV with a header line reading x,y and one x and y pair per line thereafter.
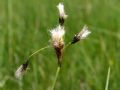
x,y
10,31
107,80
56,76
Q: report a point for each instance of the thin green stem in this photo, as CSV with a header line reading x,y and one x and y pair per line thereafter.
x,y
67,45
56,76
38,51
107,80
28,59
58,70
21,84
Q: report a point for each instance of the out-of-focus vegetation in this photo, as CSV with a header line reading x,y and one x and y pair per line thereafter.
x,y
24,28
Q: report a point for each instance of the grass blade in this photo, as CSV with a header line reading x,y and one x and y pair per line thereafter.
x,y
107,80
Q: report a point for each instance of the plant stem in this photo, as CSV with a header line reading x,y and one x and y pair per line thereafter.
x,y
37,51
56,76
21,84
107,80
25,64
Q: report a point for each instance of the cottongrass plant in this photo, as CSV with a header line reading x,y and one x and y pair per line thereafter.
x,y
57,40
57,35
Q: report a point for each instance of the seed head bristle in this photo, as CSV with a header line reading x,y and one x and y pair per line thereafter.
x,y
61,10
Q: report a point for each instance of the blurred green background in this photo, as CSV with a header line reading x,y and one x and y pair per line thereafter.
x,y
24,28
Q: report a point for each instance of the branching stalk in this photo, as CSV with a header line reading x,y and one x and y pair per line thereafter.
x,y
38,51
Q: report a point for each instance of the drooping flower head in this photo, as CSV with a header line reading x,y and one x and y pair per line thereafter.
x,y
62,15
57,35
81,35
21,70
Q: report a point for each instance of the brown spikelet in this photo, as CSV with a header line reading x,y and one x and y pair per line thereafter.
x,y
58,41
61,21
75,39
81,35
59,53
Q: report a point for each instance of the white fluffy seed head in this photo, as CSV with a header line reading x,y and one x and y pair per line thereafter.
x,y
84,33
57,35
62,14
19,72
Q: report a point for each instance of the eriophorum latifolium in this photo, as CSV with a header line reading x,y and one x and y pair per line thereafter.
x,y
57,34
57,42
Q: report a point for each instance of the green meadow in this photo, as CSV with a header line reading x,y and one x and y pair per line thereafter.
x,y
24,28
